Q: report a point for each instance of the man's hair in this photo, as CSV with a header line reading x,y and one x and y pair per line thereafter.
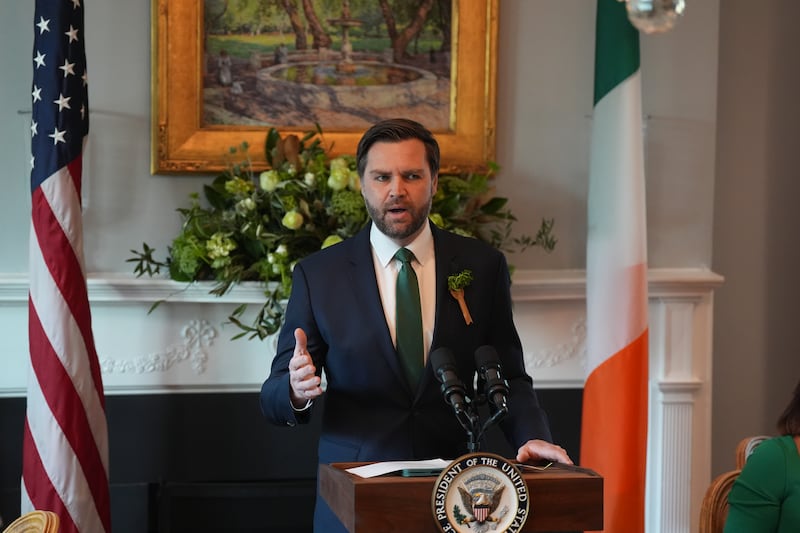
x,y
789,421
395,130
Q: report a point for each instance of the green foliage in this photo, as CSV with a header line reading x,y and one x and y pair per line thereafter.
x,y
256,226
467,205
459,281
458,515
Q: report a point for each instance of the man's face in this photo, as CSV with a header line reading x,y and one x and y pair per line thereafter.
x,y
398,188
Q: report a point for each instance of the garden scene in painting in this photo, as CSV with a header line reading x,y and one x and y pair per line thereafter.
x,y
341,64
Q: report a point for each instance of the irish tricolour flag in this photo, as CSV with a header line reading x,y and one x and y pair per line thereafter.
x,y
614,427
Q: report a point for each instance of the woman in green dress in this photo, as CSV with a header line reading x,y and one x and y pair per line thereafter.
x,y
766,495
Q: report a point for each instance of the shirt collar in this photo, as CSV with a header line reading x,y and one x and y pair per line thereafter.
x,y
385,248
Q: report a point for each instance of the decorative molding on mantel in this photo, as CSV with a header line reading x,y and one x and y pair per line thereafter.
x,y
197,335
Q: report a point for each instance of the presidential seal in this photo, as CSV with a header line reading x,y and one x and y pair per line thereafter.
x,y
480,492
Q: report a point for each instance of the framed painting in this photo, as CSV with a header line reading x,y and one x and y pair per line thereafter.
x,y
225,72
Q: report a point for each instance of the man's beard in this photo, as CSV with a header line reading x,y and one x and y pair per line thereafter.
x,y
399,231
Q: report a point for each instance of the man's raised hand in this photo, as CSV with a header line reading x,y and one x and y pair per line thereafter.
x,y
304,384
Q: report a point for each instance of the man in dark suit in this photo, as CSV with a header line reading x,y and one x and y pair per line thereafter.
x,y
341,318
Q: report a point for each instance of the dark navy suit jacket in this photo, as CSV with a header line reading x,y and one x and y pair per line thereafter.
x,y
371,413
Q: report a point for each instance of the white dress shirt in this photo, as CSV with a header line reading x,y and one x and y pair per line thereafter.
x,y
386,269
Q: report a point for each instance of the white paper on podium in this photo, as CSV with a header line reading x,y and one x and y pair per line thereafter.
x,y
379,469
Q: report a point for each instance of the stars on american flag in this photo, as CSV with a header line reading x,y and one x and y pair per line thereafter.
x,y
59,90
43,25
72,33
57,136
68,68
62,102
39,59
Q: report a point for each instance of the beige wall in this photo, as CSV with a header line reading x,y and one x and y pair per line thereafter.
x,y
756,220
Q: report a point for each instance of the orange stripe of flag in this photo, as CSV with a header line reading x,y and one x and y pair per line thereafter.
x,y
614,433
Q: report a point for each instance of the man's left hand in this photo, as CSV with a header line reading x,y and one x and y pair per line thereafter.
x,y
537,450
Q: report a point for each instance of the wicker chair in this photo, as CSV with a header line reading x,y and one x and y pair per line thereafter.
x,y
746,447
34,522
714,509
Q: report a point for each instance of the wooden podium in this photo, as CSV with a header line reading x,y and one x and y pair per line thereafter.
x,y
562,498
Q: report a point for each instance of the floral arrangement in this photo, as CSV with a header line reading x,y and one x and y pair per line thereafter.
x,y
255,226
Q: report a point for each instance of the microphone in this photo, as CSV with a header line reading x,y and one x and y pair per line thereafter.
x,y
489,370
445,370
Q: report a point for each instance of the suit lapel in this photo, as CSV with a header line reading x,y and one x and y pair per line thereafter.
x,y
446,263
446,259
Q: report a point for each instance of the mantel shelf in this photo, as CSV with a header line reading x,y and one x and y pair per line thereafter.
x,y
528,285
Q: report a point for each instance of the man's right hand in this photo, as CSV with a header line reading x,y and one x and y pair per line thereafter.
x,y
303,380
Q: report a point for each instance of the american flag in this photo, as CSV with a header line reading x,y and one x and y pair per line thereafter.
x,y
65,442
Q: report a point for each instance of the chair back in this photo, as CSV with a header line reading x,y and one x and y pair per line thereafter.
x,y
746,447
34,522
714,509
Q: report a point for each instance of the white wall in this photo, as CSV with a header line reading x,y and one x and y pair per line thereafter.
x,y
545,86
545,74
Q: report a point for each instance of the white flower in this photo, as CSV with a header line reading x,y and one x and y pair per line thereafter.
x,y
269,180
339,179
247,204
355,181
292,220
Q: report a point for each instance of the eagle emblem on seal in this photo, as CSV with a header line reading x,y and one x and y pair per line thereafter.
x,y
481,496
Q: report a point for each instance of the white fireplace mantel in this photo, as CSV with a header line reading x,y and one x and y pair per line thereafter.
x,y
184,346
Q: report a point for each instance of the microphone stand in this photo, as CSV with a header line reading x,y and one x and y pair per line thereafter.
x,y
469,420
470,424
496,417
476,431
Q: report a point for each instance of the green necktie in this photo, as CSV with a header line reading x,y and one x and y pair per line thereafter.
x,y
408,325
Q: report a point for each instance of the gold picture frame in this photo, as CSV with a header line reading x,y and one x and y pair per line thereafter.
x,y
182,144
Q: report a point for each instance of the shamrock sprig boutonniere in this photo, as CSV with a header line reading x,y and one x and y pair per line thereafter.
x,y
456,284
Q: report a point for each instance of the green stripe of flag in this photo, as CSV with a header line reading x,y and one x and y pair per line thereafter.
x,y
617,47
